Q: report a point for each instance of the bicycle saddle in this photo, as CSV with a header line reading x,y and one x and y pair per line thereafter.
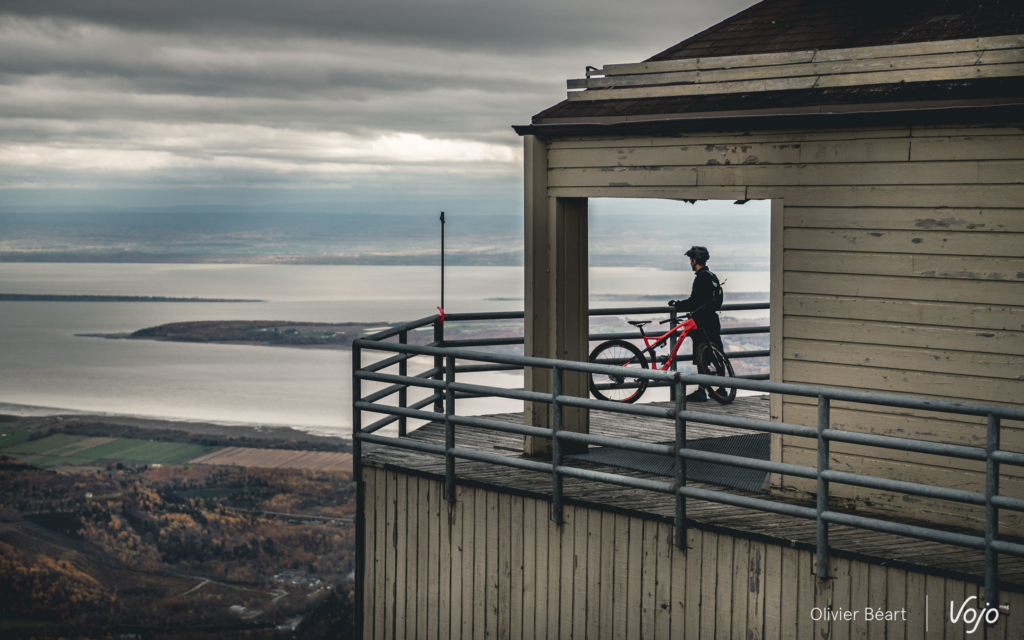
x,y
638,323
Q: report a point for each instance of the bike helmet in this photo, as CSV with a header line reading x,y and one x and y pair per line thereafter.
x,y
700,254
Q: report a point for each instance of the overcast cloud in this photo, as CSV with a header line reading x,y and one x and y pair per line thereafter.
x,y
182,102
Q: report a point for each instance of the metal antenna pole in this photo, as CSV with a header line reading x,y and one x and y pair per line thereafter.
x,y
442,259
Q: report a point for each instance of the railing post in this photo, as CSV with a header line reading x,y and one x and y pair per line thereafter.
x,y
672,366
449,429
991,513
357,474
438,361
403,398
824,421
679,390
556,446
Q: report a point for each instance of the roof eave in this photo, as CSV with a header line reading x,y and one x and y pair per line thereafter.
x,y
859,114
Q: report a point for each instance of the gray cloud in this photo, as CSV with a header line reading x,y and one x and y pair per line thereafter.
x,y
364,97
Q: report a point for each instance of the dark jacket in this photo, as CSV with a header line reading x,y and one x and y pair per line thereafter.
x,y
703,298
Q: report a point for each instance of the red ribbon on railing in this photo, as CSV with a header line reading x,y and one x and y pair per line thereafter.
x,y
441,311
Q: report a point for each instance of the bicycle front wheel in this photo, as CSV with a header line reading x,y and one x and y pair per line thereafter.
x,y
615,387
712,362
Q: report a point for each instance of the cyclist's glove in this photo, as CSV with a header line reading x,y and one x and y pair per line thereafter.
x,y
672,303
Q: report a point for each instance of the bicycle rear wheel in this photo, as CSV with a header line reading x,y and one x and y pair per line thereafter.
x,y
618,388
712,362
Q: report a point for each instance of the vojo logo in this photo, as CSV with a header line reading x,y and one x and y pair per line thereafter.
x,y
972,617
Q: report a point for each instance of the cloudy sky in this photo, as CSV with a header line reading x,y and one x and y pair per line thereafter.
x,y
171,102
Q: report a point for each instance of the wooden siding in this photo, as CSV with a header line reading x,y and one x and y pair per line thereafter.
x,y
901,270
500,568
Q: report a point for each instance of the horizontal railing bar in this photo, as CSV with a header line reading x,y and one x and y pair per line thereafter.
x,y
1008,457
387,391
755,376
905,444
402,443
429,416
892,400
616,443
689,357
615,311
497,425
483,315
636,335
383,422
618,407
421,380
480,368
500,392
738,422
901,529
1006,502
1002,546
611,478
749,463
749,503
408,326
387,362
519,463
912,488
483,342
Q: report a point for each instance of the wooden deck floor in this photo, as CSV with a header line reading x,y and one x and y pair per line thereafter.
x,y
856,543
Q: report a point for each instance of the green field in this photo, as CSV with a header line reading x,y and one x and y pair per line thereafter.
x,y
11,436
124,450
44,445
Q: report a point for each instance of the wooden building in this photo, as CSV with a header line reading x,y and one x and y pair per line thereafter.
x,y
891,146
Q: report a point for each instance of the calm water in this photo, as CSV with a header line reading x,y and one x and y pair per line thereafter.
x,y
44,364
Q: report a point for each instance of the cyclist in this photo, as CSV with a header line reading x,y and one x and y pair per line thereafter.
x,y
703,304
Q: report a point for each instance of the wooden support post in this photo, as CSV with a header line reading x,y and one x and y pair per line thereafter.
x,y
557,296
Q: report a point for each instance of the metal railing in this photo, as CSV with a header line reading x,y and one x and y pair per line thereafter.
x,y
441,380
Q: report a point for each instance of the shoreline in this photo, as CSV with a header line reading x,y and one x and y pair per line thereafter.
x,y
100,424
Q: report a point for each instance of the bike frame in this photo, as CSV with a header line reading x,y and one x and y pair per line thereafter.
x,y
651,343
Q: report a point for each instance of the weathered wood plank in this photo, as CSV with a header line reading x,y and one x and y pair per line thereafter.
x,y
740,586
606,603
709,585
724,589
648,580
433,557
592,608
839,571
372,565
948,361
422,556
929,242
942,148
567,558
906,219
860,592
906,265
896,593
823,599
694,573
955,596
862,171
480,586
541,569
678,590
634,584
492,553
517,589
622,177
394,572
986,390
444,587
458,571
554,600
926,289
806,583
504,525
663,582
908,335
968,316
929,197
620,577
789,603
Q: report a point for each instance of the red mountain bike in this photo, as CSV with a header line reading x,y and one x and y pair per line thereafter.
x,y
626,388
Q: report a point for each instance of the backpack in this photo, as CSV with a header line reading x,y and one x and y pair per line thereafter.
x,y
719,293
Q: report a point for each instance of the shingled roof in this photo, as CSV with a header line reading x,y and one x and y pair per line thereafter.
x,y
779,26
774,26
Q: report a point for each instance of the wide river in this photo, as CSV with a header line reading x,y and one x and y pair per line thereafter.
x,y
46,368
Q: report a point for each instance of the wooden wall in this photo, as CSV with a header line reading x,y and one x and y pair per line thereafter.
x,y
902,271
493,565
